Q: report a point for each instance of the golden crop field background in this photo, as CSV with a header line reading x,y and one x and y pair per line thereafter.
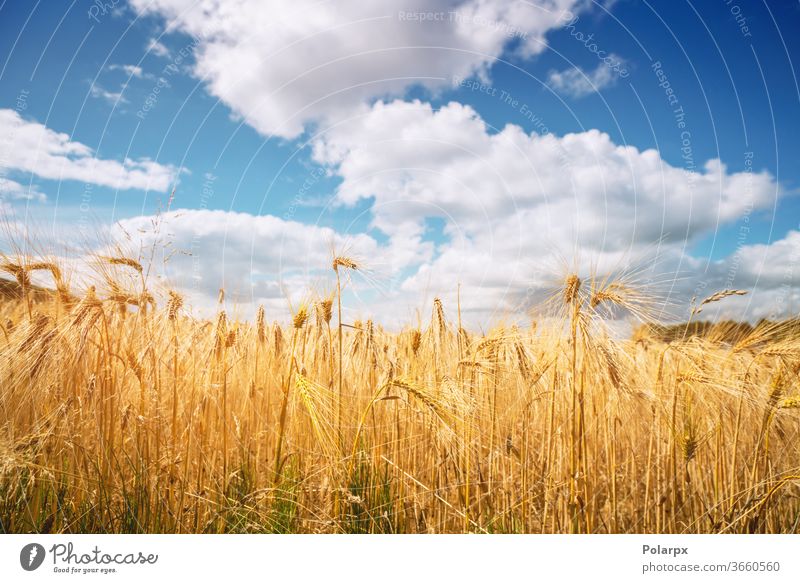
x,y
119,412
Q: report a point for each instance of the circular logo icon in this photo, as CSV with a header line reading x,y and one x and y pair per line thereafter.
x,y
31,556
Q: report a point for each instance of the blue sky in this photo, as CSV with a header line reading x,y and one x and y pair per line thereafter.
x,y
323,121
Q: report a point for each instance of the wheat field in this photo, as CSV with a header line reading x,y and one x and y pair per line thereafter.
x,y
120,412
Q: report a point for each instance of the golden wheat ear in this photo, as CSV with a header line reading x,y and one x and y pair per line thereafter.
x,y
300,316
127,262
174,305
572,287
718,297
341,261
261,328
324,311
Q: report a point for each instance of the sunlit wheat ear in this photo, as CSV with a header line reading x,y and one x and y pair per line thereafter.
x,y
438,322
316,401
300,317
19,272
622,292
429,399
464,336
220,334
762,334
134,364
521,351
689,442
613,366
790,403
36,345
613,293
117,296
89,304
261,327
484,367
277,337
127,262
416,340
341,261
174,305
718,296
572,288
232,338
147,299
82,319
488,345
62,289
32,331
324,311
358,337
777,389
690,377
369,330
122,299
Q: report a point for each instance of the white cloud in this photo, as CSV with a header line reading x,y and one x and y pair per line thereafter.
x,y
769,272
770,265
129,70
157,48
34,148
578,83
117,97
256,259
269,260
510,200
113,97
280,66
417,162
12,190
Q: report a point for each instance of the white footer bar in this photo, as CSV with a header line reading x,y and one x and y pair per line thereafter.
x,y
406,558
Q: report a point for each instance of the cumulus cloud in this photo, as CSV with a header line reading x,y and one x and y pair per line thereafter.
x,y
578,83
770,265
770,272
12,190
112,97
581,188
509,198
256,259
458,202
157,48
507,204
270,260
491,209
51,155
280,66
129,70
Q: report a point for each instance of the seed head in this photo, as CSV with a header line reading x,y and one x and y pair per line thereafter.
x,y
221,334
346,262
260,325
19,272
174,305
416,340
790,402
300,317
572,286
132,263
325,310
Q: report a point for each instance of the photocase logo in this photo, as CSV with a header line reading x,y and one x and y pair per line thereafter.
x,y
31,556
